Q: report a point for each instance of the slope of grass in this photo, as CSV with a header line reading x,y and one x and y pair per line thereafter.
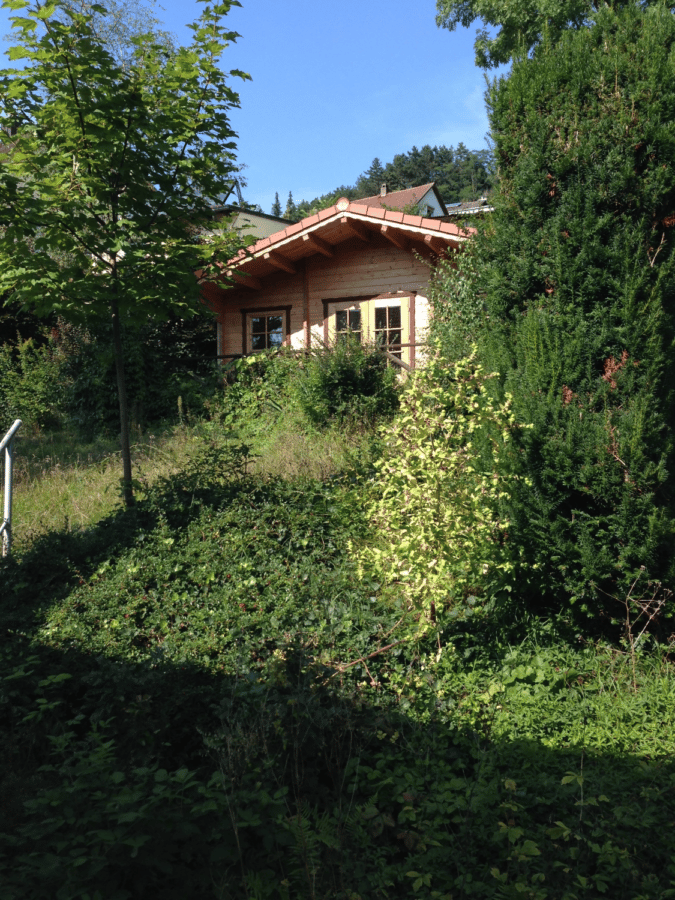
x,y
64,482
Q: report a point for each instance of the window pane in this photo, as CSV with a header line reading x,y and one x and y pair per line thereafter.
x,y
355,319
274,323
258,342
380,317
258,325
394,316
394,337
341,320
275,339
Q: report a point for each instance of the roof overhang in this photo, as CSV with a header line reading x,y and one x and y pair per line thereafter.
x,y
323,232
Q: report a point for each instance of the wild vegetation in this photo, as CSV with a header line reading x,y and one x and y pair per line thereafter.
x,y
115,157
573,276
218,693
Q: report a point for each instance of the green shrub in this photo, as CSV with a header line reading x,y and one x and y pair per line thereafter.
x,y
31,384
164,361
347,383
255,386
436,530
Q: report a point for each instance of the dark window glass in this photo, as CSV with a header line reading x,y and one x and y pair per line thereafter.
x,y
267,332
348,320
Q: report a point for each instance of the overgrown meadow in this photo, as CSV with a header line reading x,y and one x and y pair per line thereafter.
x,y
220,693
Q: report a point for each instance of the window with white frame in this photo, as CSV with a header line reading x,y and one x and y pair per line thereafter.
x,y
387,321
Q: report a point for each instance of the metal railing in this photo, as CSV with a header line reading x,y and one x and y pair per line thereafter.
x,y
7,444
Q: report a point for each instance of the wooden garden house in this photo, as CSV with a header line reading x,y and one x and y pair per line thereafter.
x,y
352,267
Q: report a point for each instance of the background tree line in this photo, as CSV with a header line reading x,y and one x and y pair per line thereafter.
x,y
459,173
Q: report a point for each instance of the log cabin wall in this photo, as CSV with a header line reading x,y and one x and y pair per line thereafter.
x,y
356,270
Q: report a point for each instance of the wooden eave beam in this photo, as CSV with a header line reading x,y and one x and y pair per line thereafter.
x,y
435,244
318,244
279,261
355,228
397,239
247,281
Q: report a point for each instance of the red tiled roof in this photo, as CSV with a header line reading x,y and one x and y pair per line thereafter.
x,y
398,199
332,226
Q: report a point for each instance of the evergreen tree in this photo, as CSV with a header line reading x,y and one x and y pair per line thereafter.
x,y
577,272
464,174
372,179
291,211
276,206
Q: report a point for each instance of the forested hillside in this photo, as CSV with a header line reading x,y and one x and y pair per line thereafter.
x,y
459,173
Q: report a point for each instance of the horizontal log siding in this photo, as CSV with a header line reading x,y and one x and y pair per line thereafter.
x,y
356,270
277,291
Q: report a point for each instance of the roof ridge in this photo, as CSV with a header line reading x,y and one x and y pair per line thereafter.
x,y
415,187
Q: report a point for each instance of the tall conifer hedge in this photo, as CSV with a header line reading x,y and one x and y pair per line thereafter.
x,y
578,275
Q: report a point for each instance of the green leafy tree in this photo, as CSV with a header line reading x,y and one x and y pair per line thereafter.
x,y
576,275
112,168
122,21
521,24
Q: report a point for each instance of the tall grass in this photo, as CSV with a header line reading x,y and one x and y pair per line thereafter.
x,y
64,482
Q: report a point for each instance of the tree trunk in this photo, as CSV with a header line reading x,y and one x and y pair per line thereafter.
x,y
127,489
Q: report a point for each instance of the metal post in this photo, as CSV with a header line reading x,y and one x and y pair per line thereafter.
x,y
6,525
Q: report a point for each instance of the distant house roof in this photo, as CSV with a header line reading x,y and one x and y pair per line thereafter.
x,y
323,231
407,198
260,225
250,222
468,208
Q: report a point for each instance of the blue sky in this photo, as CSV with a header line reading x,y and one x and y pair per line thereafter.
x,y
336,83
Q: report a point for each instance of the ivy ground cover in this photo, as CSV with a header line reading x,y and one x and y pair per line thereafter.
x,y
202,697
